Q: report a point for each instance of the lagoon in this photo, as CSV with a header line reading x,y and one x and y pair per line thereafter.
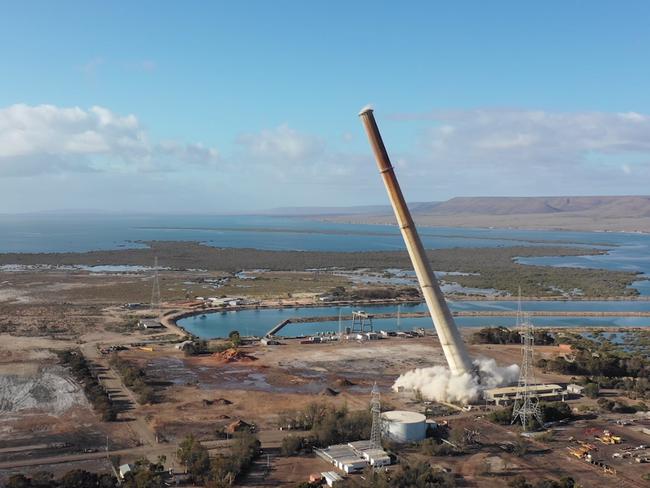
x,y
259,321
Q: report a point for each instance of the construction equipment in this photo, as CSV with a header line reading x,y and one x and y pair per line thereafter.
x,y
580,452
608,438
588,445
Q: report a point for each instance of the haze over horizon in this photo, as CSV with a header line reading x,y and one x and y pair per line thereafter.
x,y
237,108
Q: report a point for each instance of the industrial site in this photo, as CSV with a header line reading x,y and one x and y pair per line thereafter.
x,y
117,373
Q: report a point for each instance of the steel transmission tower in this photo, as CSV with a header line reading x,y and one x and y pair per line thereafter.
x,y
375,408
526,405
155,290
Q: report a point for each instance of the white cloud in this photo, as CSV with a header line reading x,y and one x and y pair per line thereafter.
x,y
523,137
282,144
51,139
293,156
507,151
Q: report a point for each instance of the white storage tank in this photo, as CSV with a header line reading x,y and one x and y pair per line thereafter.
x,y
404,426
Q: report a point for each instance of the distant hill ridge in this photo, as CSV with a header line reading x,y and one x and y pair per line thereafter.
x,y
602,206
590,213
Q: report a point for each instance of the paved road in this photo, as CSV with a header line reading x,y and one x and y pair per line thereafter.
x,y
33,447
271,440
68,458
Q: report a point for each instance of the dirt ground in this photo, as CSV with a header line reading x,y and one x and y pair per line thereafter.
x,y
281,378
42,312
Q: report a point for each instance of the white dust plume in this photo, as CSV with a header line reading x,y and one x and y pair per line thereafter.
x,y
439,384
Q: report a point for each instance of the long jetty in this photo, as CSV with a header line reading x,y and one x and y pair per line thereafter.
x,y
279,327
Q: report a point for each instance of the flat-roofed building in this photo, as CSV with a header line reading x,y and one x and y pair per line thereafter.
x,y
377,457
354,457
331,477
351,465
509,394
150,324
573,389
360,445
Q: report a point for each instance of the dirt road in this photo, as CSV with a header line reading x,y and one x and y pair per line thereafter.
x,y
114,385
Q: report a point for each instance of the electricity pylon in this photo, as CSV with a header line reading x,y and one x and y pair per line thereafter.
x,y
526,405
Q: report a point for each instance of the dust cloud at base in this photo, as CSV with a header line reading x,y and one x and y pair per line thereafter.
x,y
437,383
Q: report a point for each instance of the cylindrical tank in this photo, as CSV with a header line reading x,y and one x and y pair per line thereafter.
x,y
404,426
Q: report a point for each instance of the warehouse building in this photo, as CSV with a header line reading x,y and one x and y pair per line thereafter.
x,y
354,457
508,394
150,324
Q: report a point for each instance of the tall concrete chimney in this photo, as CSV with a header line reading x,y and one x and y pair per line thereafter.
x,y
450,339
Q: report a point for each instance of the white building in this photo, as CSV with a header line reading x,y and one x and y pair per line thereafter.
x,y
351,464
377,457
573,389
331,477
124,470
354,457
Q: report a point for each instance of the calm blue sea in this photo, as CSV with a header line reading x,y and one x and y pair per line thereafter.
x,y
62,233
78,233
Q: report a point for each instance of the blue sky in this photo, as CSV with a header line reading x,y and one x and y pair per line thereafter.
x,y
218,106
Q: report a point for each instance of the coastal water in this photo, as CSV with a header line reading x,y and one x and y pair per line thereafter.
x,y
80,233
259,321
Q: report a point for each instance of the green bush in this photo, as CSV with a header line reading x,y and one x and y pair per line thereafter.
x,y
592,390
134,378
291,445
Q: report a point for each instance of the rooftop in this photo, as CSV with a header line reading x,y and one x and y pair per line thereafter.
x,y
509,390
404,416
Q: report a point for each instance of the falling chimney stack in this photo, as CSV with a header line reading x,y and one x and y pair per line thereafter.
x,y
448,334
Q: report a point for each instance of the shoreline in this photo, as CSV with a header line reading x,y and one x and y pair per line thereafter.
x,y
476,268
171,318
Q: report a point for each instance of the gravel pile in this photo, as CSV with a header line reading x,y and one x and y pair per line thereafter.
x,y
51,390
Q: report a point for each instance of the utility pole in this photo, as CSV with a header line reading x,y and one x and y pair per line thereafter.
x,y
155,289
375,408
